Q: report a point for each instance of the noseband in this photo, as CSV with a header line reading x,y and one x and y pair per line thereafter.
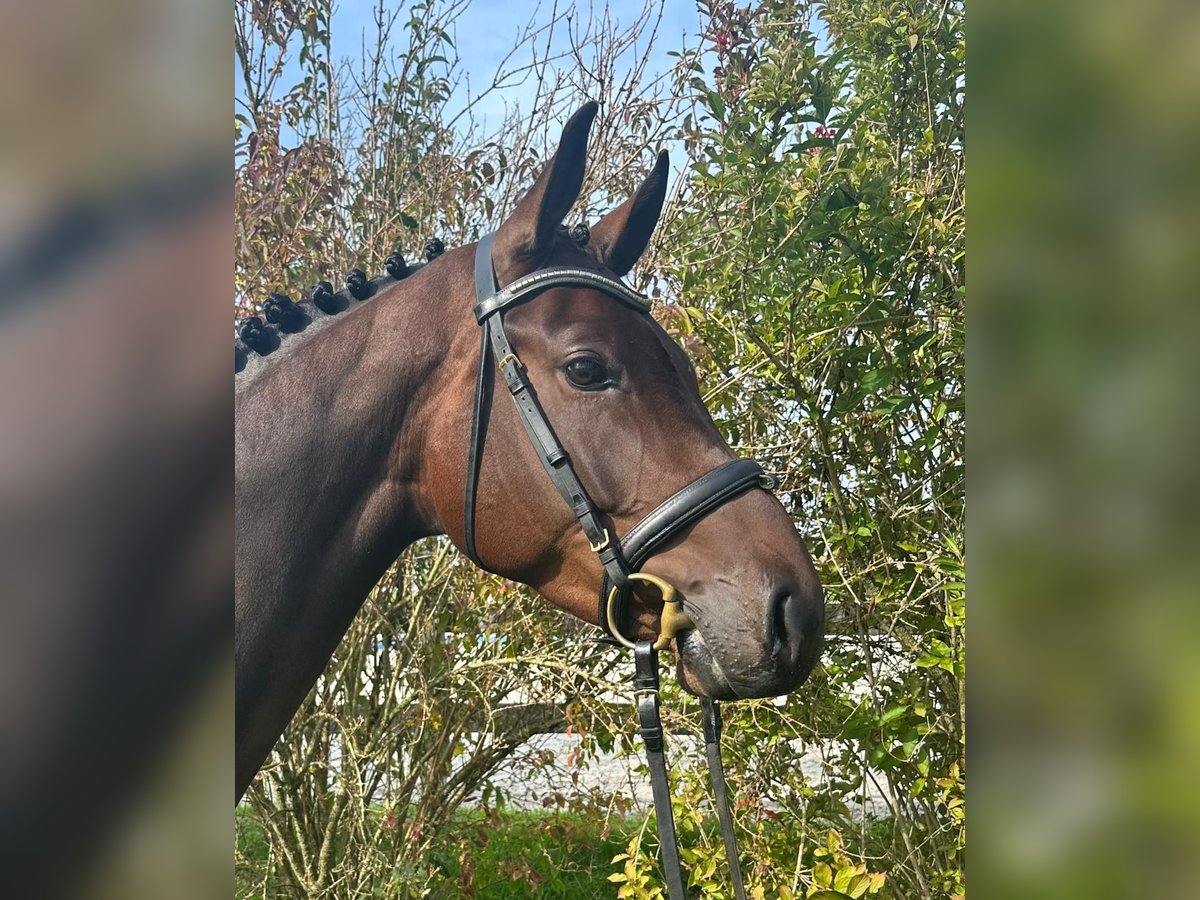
x,y
623,558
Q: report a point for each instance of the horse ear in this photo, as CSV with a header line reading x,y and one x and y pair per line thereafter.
x,y
529,232
622,235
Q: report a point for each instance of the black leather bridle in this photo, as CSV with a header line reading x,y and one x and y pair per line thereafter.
x,y
621,559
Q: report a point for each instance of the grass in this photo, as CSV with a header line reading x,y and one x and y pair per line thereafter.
x,y
508,855
523,854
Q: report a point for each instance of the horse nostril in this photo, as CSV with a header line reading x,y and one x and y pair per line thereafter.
x,y
787,626
778,632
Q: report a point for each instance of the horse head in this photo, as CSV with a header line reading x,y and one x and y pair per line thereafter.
x,y
623,400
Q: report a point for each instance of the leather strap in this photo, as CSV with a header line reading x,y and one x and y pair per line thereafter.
x,y
711,717
692,503
528,286
485,280
645,684
650,726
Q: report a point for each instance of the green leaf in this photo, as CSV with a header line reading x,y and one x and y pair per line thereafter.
x,y
839,198
845,875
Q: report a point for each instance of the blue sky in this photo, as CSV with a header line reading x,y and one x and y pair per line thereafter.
x,y
487,30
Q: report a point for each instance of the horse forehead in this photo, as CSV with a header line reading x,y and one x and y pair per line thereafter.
x,y
593,307
588,314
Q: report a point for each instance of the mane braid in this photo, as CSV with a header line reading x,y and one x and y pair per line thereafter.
x,y
257,341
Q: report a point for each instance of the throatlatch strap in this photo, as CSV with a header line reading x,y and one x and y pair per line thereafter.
x,y
485,279
711,717
475,453
645,683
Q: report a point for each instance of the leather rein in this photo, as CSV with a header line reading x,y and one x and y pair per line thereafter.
x,y
621,559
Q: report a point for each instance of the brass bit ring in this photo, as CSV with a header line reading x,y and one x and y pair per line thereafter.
x,y
672,622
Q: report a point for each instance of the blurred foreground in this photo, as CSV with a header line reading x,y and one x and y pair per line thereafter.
x,y
1084,422
116,459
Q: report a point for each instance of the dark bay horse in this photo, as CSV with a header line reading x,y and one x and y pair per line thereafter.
x,y
353,444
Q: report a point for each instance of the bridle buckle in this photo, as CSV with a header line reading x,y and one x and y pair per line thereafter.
x,y
601,544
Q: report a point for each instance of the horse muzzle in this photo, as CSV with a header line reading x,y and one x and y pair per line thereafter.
x,y
719,659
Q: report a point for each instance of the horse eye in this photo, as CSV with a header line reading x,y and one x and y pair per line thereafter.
x,y
586,372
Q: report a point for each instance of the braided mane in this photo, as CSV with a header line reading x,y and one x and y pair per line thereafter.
x,y
259,337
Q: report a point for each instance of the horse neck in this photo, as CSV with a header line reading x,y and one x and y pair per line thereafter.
x,y
336,466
